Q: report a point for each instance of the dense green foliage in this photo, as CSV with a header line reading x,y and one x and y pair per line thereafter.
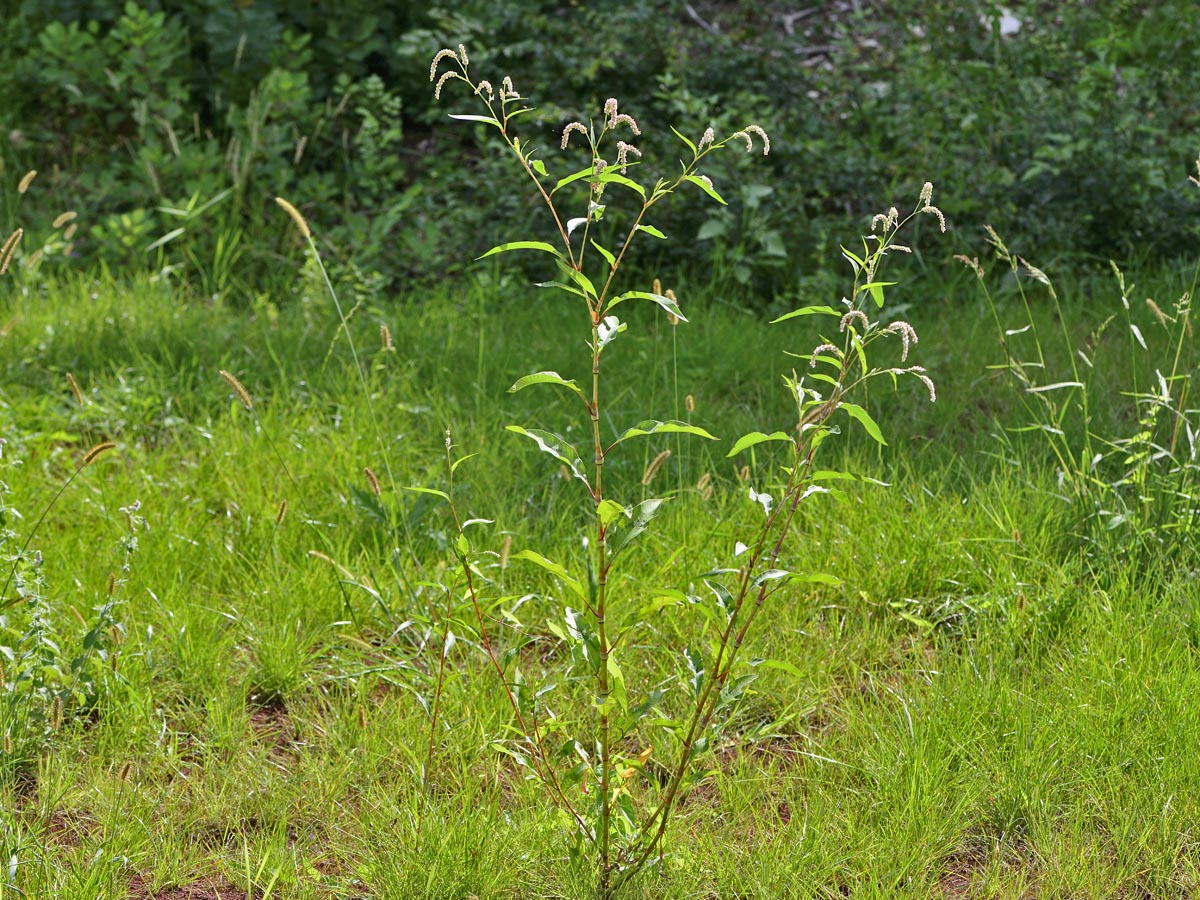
x,y
170,125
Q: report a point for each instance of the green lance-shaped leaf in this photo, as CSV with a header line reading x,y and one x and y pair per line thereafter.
x,y
545,378
609,511
661,299
573,177
808,311
608,257
556,569
645,511
876,289
779,664
562,286
523,245
607,177
652,231
556,446
687,141
653,426
424,490
785,577
864,418
746,441
695,664
616,682
486,120
706,187
584,283
857,263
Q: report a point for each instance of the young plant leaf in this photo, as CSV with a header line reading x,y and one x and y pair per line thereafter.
x,y
661,299
435,493
609,511
652,231
556,569
864,418
556,446
706,187
522,245
646,510
746,441
652,426
695,664
808,311
607,177
685,140
545,378
616,681
486,120
608,257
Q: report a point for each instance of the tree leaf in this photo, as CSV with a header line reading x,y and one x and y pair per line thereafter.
x,y
864,418
556,569
756,437
545,378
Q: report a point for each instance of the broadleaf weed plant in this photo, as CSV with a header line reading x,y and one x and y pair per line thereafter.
x,y
1140,485
599,764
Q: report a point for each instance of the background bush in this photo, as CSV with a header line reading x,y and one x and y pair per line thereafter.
x,y
170,125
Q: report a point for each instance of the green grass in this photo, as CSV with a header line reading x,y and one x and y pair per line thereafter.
x,y
989,706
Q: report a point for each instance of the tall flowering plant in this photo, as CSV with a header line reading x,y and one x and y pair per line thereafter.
x,y
617,767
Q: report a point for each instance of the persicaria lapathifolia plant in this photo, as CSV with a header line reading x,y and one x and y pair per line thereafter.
x,y
597,766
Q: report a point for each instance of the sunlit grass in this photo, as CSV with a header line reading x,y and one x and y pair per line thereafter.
x,y
984,710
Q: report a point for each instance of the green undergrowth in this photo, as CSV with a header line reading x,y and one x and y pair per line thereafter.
x,y
991,704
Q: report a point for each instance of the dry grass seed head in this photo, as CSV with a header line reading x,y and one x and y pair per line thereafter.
x,y
63,219
9,248
26,181
373,481
75,389
972,263
96,452
296,217
281,512
238,389
385,338
1161,316
655,465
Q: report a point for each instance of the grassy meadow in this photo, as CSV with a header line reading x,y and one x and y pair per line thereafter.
x,y
998,701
